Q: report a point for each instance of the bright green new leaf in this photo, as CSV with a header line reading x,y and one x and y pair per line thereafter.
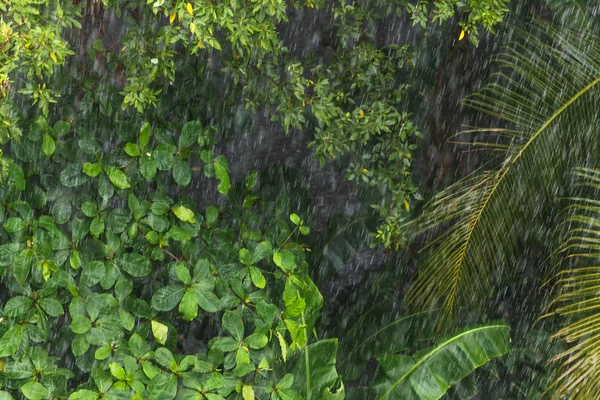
x,y
92,169
118,178
159,331
183,213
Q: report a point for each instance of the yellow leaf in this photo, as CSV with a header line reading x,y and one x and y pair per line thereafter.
x,y
462,35
189,8
192,28
172,17
406,206
310,4
160,332
53,56
361,113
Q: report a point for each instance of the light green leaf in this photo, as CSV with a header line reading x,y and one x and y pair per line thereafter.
x,y
118,178
256,341
189,305
183,213
92,170
257,278
220,165
34,391
84,394
80,324
132,149
48,145
430,375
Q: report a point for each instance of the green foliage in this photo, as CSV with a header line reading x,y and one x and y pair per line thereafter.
x,y
430,374
108,257
481,222
574,301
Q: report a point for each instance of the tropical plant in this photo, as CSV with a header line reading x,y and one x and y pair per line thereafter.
x,y
542,100
575,301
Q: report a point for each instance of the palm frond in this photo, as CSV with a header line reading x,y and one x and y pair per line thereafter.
x,y
577,302
545,98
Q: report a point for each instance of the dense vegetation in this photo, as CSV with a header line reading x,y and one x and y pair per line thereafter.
x,y
137,262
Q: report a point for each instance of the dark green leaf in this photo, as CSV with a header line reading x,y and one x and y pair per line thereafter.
x,y
135,264
167,297
11,340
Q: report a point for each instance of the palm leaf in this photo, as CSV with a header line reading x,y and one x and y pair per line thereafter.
x,y
577,302
429,375
544,98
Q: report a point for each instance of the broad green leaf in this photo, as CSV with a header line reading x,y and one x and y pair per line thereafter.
x,y
256,341
84,394
189,305
92,169
315,369
61,128
212,213
17,306
234,324
22,265
257,277
135,264
48,145
248,392
147,167
182,174
430,375
261,251
72,176
189,134
167,297
93,272
207,300
14,224
5,395
295,219
51,306
163,156
80,324
102,353
8,252
220,165
164,357
132,149
34,391
117,371
162,387
245,256
144,134
61,210
183,213
11,340
18,177
118,178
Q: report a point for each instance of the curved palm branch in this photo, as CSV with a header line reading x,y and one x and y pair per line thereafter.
x,y
545,99
577,302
